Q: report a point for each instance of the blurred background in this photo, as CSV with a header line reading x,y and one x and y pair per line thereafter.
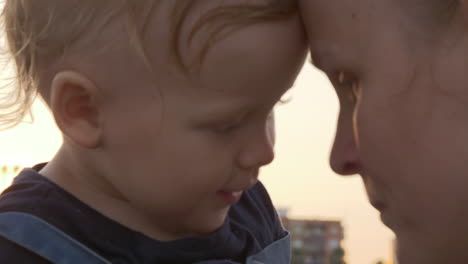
x,y
328,215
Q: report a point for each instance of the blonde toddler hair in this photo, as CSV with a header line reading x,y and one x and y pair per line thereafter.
x,y
39,32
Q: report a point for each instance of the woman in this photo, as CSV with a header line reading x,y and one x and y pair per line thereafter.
x,y
400,69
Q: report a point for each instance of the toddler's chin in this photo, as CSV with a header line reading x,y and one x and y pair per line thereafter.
x,y
209,226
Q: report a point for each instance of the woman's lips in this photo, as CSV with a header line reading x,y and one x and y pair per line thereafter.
x,y
230,197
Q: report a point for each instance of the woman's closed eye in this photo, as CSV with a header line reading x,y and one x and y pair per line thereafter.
x,y
348,84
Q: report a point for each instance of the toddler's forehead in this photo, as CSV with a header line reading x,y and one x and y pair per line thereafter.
x,y
154,29
192,28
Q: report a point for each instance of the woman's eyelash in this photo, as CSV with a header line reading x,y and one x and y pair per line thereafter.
x,y
341,77
350,83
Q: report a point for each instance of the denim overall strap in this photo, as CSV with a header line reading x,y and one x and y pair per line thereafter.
x,y
40,237
279,252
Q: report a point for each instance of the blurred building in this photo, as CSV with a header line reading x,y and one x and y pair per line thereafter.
x,y
314,241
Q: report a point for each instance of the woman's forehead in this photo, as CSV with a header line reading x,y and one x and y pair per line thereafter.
x,y
347,10
340,22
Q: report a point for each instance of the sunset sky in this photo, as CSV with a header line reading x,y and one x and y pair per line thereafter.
x,y
299,179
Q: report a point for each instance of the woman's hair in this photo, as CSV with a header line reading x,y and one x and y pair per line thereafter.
x,y
38,32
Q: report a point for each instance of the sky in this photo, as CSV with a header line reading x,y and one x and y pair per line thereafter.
x,y
299,179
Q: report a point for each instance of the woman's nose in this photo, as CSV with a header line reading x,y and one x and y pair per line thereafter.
x,y
344,158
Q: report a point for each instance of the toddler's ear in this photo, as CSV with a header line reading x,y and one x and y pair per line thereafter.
x,y
74,101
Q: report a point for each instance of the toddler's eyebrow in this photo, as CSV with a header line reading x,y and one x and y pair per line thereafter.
x,y
217,111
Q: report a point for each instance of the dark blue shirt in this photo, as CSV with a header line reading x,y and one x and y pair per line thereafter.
x,y
251,225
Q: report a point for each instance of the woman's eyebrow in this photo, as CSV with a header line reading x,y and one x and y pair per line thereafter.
x,y
317,59
322,59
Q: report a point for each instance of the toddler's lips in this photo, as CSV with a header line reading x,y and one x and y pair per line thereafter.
x,y
230,197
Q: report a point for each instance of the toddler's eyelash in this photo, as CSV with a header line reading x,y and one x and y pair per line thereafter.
x,y
284,101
